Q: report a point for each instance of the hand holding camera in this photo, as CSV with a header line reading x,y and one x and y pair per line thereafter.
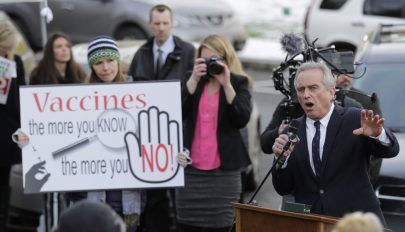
x,y
213,67
217,68
199,70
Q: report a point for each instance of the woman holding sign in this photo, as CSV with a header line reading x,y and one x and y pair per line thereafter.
x,y
216,105
11,77
104,58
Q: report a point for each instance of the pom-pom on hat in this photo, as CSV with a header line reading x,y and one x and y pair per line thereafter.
x,y
102,47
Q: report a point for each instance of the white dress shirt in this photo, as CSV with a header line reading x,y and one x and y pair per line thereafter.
x,y
166,48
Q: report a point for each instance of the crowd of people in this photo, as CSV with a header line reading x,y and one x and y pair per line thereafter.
x,y
215,107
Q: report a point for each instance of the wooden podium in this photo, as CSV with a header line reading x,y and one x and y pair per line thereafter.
x,y
251,218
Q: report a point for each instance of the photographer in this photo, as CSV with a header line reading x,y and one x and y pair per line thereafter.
x,y
216,105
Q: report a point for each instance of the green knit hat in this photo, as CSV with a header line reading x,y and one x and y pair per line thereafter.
x,y
102,47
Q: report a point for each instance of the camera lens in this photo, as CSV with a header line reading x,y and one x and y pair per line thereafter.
x,y
213,68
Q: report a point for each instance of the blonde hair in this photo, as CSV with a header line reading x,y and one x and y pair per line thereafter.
x,y
222,47
359,222
8,37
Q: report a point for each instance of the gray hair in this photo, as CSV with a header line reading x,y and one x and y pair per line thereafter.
x,y
328,79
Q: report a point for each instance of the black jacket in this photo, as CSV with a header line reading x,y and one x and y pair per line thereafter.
x,y
178,66
231,118
343,185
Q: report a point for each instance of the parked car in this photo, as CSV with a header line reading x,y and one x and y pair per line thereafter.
x,y
251,133
384,57
344,22
123,19
24,209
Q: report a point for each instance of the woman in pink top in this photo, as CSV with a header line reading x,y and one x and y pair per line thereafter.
x,y
216,105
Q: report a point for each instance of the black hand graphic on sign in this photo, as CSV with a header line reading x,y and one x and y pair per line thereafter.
x,y
32,184
152,151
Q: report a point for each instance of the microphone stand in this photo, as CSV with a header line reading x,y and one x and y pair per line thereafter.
x,y
263,181
265,178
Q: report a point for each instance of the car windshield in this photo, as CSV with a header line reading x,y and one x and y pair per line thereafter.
x,y
387,81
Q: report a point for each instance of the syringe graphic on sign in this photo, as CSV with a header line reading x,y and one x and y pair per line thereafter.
x,y
109,128
153,149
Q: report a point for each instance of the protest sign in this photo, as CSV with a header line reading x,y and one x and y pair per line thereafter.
x,y
101,136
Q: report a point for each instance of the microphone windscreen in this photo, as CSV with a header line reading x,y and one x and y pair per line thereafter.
x,y
291,43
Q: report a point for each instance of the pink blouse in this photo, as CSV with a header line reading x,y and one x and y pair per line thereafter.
x,y
204,149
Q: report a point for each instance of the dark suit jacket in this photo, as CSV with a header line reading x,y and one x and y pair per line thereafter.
x,y
343,185
178,66
231,118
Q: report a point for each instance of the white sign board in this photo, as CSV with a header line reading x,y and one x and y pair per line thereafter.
x,y
101,136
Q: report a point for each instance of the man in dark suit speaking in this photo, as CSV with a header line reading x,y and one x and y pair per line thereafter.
x,y
327,168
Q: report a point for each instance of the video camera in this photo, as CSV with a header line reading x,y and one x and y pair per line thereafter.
x,y
340,62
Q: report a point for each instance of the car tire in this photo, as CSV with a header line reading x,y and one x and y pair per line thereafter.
x,y
130,32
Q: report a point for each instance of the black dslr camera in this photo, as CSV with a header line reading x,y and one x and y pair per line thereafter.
x,y
213,68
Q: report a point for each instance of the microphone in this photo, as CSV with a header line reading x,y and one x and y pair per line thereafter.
x,y
292,139
292,134
291,43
